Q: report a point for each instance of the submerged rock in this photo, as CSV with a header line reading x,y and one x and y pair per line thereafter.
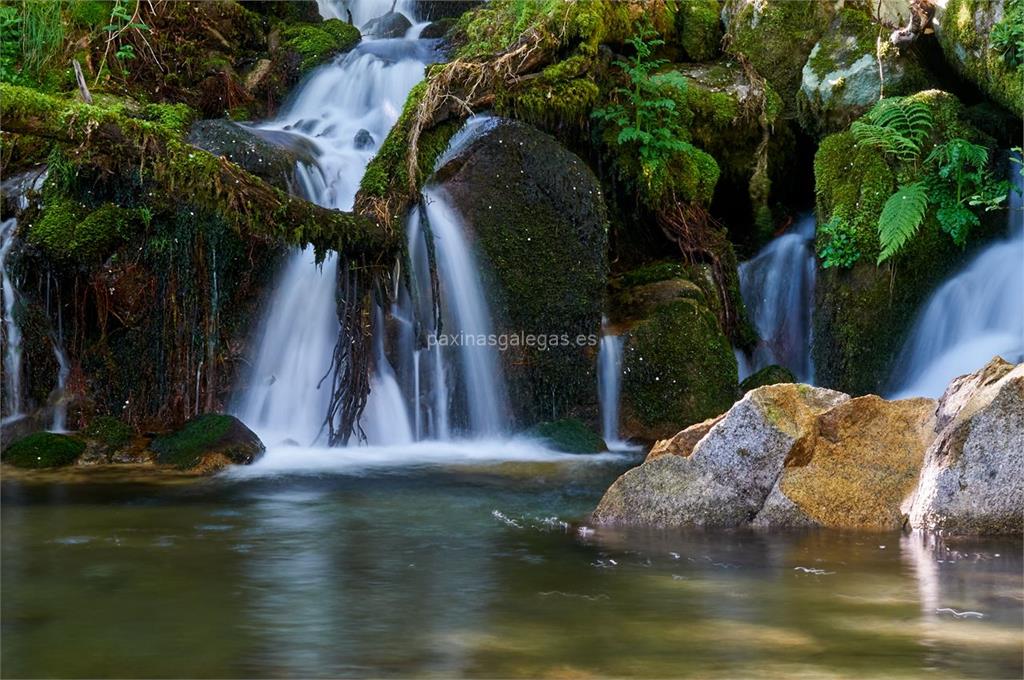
x,y
390,25
208,443
973,476
538,218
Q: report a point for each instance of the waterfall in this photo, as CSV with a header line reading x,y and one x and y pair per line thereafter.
x,y
777,286
12,333
346,109
462,295
609,384
975,315
60,406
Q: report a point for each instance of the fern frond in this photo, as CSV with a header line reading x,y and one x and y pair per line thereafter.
x,y
901,217
895,126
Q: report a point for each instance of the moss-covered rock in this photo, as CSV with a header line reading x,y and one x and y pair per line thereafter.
x,y
678,365
699,29
316,43
769,375
209,442
863,312
43,450
776,37
569,435
109,432
849,69
539,219
965,32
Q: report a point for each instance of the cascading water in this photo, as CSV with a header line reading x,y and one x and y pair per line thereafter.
x,y
777,286
609,383
465,305
975,315
346,109
12,333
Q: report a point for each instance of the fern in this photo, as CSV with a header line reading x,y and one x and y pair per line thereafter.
x,y
895,126
901,217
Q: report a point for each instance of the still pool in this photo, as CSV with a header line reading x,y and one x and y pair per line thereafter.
x,y
475,568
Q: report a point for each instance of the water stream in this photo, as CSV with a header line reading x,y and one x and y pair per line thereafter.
x,y
12,332
975,315
609,387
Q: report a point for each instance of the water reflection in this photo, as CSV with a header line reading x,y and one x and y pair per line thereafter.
x,y
482,570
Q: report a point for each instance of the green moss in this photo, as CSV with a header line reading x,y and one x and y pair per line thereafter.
x,y
109,431
43,450
185,448
679,368
68,229
699,28
570,436
653,273
972,53
174,117
89,14
315,43
862,313
777,36
563,92
769,375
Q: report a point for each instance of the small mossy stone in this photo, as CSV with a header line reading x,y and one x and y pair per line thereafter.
x,y
699,28
769,375
570,435
109,432
43,450
208,435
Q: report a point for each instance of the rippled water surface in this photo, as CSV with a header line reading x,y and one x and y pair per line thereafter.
x,y
472,569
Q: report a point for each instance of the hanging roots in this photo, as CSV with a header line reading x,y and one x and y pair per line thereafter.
x,y
701,239
350,366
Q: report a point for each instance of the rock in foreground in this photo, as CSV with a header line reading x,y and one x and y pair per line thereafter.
x,y
799,456
973,476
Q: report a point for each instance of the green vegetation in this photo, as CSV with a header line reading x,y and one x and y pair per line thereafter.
x,y
43,450
769,375
699,28
896,126
1008,35
646,126
315,43
570,435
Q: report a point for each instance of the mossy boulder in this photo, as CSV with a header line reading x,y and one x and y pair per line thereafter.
x,y
842,80
208,443
769,375
965,31
43,450
538,218
316,43
699,29
569,435
863,312
678,365
776,37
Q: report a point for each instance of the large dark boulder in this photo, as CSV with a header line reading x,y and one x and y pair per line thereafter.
x,y
270,155
540,223
390,25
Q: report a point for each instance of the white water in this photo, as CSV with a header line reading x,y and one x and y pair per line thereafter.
x,y
609,384
777,286
12,333
462,296
975,315
363,92
288,395
60,405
